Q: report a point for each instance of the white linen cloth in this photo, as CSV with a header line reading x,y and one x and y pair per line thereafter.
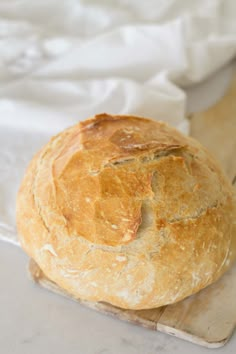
x,y
64,60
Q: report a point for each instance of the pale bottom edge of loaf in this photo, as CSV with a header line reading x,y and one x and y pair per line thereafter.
x,y
167,319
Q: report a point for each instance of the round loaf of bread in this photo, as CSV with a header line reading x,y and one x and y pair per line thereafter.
x,y
128,211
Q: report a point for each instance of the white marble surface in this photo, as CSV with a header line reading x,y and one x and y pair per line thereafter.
x,y
34,321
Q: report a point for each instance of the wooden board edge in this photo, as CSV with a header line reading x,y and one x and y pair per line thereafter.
x,y
191,338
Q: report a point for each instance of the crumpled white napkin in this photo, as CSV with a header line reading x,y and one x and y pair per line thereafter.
x,y
64,60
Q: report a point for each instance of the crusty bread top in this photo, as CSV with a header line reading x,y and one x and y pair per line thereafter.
x,y
132,188
104,163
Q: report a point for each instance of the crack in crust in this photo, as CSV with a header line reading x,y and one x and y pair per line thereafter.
x,y
198,214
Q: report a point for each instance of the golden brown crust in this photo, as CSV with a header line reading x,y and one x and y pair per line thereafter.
x,y
127,210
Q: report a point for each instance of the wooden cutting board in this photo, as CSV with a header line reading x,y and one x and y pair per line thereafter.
x,y
209,317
